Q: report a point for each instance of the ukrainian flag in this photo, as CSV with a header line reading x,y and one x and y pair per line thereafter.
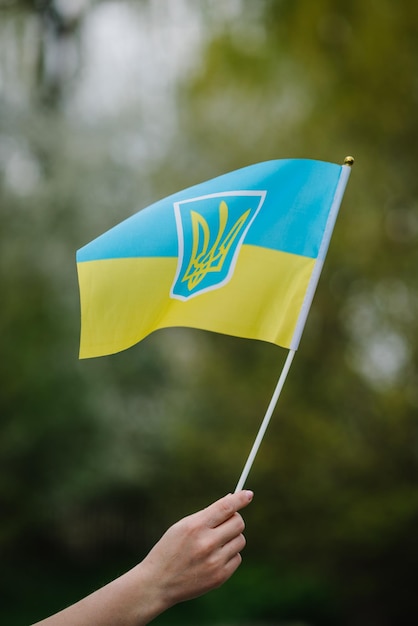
x,y
240,254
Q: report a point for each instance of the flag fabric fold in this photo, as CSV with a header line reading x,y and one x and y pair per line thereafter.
x,y
240,254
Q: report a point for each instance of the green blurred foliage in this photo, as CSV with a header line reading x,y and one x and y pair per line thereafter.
x,y
98,457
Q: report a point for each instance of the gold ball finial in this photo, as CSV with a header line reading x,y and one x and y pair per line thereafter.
x,y
349,160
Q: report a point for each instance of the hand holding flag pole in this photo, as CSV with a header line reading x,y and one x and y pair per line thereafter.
x,y
240,254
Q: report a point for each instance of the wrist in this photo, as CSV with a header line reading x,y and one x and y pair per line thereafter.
x,y
144,597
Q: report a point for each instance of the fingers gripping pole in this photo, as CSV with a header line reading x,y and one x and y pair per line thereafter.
x,y
265,421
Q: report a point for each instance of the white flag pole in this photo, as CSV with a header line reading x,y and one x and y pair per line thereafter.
x,y
265,421
345,173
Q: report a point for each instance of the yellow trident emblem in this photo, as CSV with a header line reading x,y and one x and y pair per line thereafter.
x,y
204,259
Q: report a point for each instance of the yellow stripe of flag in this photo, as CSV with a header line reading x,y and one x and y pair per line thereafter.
x,y
254,304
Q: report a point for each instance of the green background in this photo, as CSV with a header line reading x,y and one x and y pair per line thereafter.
x,y
106,107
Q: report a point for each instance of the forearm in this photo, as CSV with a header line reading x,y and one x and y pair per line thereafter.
x,y
131,600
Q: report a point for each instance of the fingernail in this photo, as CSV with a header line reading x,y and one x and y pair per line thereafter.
x,y
249,494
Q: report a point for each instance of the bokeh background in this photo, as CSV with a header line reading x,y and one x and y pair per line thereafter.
x,y
107,106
